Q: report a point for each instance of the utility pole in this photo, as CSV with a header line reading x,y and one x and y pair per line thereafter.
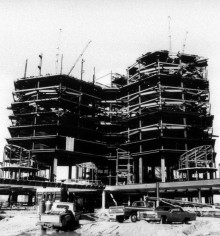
x,y
111,78
40,65
61,65
82,71
25,70
93,79
170,44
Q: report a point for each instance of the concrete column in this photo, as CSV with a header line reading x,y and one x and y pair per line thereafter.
x,y
19,174
70,172
211,196
163,176
35,198
129,200
80,172
9,199
168,173
171,174
190,199
64,195
188,177
54,170
208,175
197,175
84,172
77,172
103,199
30,196
206,199
158,193
110,177
140,170
153,172
135,166
210,199
14,197
200,195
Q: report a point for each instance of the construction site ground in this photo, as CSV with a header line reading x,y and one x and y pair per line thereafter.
x,y
23,222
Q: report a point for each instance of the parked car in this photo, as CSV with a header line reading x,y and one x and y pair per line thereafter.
x,y
167,214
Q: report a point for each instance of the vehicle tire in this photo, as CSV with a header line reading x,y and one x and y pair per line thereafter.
x,y
133,217
64,221
43,228
76,223
186,221
120,219
198,213
163,220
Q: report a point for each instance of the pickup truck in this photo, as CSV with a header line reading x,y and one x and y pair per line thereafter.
x,y
62,216
121,213
167,214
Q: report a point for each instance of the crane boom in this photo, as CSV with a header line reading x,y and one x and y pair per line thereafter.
x,y
80,56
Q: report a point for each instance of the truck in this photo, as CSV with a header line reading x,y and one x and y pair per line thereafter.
x,y
167,214
121,213
62,216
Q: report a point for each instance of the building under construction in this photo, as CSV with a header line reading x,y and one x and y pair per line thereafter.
x,y
152,125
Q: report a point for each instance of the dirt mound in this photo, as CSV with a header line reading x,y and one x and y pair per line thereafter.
x,y
202,226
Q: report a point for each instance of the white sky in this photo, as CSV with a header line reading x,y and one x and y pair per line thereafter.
x,y
120,30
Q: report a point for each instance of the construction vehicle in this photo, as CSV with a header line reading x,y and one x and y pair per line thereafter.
x,y
121,213
62,216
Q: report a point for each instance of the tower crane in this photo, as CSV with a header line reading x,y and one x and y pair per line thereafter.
x,y
81,54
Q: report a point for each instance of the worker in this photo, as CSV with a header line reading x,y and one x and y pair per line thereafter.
x,y
65,210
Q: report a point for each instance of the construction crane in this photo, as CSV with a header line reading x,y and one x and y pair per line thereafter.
x,y
184,42
79,56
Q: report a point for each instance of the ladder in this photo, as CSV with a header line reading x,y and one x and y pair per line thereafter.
x,y
124,166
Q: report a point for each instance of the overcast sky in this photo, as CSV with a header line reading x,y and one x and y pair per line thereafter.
x,y
120,30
